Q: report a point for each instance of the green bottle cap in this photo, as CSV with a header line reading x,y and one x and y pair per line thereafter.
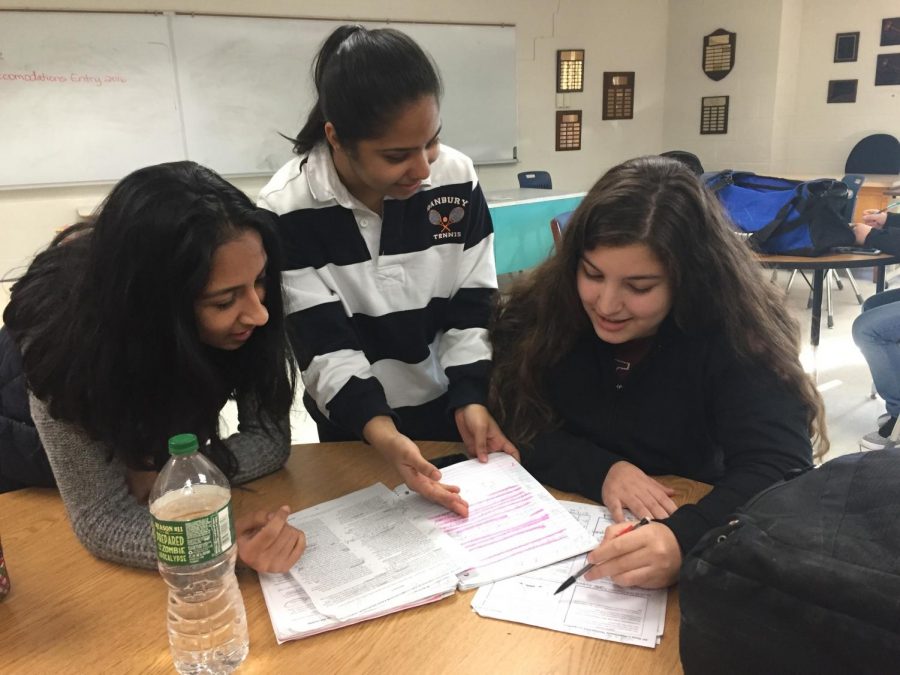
x,y
183,444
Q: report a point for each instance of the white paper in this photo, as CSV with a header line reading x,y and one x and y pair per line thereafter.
x,y
363,555
294,616
514,524
599,608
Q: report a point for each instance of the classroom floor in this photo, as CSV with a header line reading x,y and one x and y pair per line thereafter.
x,y
843,376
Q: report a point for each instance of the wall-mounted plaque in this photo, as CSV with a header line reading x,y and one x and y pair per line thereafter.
x,y
568,130
569,70
846,46
714,115
842,91
718,53
618,96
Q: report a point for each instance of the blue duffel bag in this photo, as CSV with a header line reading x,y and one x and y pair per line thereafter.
x,y
786,216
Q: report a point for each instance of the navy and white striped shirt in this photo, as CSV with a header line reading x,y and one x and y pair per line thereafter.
x,y
387,315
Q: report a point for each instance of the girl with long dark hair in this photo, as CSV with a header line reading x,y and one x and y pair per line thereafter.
x,y
649,344
143,327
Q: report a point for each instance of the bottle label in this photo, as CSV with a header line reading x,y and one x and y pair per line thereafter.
x,y
188,542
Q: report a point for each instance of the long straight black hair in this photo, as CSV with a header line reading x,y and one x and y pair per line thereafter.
x,y
363,78
108,327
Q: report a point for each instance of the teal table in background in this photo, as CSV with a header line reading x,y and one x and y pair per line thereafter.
x,y
521,218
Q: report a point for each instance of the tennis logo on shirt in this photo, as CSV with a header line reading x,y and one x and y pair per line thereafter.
x,y
441,217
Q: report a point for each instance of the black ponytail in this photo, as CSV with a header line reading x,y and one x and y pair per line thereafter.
x,y
363,77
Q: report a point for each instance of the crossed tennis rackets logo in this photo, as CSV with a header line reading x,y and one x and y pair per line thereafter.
x,y
435,217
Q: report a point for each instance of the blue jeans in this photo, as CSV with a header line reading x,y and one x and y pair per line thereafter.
x,y
877,334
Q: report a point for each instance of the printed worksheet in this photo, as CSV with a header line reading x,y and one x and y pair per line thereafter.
x,y
294,616
599,609
514,524
363,554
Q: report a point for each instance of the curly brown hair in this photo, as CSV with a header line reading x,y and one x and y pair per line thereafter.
x,y
716,285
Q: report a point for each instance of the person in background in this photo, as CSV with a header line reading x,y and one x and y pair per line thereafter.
x,y
390,274
876,330
142,328
648,344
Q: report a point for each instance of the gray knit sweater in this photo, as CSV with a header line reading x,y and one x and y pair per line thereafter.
x,y
107,520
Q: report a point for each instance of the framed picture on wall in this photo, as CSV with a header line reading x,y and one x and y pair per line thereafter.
x,y
890,32
846,46
887,69
842,91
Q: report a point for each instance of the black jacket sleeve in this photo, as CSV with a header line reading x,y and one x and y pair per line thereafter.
x,y
886,239
759,428
569,462
23,462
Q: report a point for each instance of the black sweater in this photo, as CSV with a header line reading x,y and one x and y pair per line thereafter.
x,y
688,408
886,239
23,462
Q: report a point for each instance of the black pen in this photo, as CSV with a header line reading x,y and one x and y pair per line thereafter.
x,y
572,579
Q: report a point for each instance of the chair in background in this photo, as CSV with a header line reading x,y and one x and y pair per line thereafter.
x,y
558,224
535,179
877,153
854,182
689,159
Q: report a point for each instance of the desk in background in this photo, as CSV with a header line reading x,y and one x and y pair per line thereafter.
x,y
819,266
71,613
521,218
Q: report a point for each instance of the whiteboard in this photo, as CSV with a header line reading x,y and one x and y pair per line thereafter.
x,y
85,97
90,97
243,80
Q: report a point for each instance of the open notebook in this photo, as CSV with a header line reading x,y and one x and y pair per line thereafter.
x,y
374,551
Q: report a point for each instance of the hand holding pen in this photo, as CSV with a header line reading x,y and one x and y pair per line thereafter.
x,y
572,579
877,217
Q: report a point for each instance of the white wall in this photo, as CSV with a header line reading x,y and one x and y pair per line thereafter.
x,y
751,85
823,134
779,121
606,29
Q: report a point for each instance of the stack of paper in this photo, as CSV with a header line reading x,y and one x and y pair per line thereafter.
x,y
363,559
373,552
514,524
599,609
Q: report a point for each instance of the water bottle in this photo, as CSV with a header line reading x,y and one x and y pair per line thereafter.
x,y
190,506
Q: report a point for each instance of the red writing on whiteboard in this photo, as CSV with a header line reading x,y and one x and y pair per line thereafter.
x,y
77,78
97,80
33,76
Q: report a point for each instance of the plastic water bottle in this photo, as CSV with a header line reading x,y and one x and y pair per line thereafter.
x,y
190,506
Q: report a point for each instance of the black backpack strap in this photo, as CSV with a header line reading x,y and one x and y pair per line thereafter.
x,y
777,225
720,180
